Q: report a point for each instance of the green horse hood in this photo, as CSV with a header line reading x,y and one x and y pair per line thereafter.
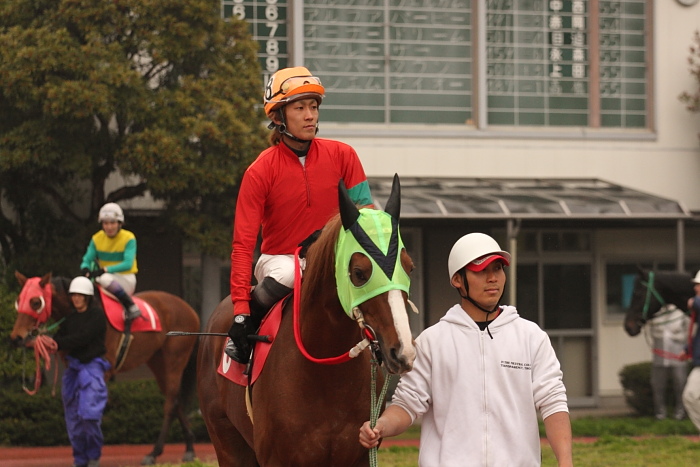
x,y
376,235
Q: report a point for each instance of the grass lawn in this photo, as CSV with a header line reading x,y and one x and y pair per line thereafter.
x,y
617,441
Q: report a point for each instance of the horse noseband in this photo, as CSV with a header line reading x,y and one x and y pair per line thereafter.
x,y
369,334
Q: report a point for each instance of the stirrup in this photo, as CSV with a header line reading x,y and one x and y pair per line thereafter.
x,y
132,313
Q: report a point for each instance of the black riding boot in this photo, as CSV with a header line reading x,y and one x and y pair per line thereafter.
x,y
266,293
131,310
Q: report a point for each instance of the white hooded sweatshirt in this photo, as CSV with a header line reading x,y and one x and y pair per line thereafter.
x,y
479,396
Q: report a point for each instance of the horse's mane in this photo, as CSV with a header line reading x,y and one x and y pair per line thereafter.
x,y
61,283
674,286
673,282
320,259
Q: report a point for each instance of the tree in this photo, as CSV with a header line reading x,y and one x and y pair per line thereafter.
x,y
692,100
149,96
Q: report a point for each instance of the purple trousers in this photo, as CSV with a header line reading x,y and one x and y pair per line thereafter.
x,y
84,398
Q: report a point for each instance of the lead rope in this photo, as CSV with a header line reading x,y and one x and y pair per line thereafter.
x,y
665,310
44,346
376,406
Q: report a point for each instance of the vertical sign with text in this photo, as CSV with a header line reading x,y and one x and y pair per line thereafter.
x,y
268,26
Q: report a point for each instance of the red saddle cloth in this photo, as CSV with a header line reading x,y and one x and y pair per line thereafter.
x,y
115,314
234,371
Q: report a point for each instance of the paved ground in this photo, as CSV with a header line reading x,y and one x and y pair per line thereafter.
x,y
115,456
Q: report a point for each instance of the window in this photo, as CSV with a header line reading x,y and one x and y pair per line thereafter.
x,y
546,63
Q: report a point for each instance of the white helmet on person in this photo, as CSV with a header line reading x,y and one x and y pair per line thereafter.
x,y
475,251
81,285
111,212
696,279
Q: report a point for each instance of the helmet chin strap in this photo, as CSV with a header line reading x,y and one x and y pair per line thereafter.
x,y
283,129
463,272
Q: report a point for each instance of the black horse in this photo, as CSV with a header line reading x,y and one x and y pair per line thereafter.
x,y
653,290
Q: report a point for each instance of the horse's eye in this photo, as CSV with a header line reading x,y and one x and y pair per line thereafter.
x,y
358,277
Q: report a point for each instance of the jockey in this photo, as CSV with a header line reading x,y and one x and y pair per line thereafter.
x,y
112,251
290,191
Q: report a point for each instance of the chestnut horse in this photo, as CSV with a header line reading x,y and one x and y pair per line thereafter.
x,y
654,289
167,357
304,412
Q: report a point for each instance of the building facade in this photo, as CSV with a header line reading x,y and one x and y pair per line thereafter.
x,y
554,125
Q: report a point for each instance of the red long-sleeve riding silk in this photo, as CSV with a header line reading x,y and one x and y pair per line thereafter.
x,y
289,201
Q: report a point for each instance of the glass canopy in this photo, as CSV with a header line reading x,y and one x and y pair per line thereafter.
x,y
513,198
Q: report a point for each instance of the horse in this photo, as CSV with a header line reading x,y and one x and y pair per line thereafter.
x,y
168,358
652,291
302,410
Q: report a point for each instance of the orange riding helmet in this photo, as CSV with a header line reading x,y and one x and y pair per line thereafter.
x,y
291,84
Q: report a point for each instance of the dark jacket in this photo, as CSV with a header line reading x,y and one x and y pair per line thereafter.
x,y
696,337
82,335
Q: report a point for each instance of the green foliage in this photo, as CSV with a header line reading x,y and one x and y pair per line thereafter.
x,y
133,415
31,420
630,426
635,380
692,99
622,451
163,93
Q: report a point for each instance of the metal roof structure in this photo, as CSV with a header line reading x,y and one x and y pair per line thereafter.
x,y
524,198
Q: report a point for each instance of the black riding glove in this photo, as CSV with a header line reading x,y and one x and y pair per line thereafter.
x,y
85,272
97,272
240,328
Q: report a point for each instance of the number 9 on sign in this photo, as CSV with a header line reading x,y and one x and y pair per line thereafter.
x,y
272,64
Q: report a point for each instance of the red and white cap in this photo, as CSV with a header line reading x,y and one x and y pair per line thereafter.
x,y
480,263
475,251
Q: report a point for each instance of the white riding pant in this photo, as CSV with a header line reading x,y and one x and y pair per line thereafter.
x,y
127,281
278,267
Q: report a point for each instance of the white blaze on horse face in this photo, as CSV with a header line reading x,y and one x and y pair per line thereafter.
x,y
398,311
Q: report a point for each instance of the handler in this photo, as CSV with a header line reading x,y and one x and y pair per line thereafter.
x,y
84,391
691,393
481,375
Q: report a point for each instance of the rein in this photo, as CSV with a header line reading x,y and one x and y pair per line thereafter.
x,y
352,353
369,340
651,290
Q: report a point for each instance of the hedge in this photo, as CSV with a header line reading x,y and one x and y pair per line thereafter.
x,y
133,415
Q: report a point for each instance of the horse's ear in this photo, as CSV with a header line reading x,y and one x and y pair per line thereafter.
x,y
393,205
348,211
21,278
45,280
